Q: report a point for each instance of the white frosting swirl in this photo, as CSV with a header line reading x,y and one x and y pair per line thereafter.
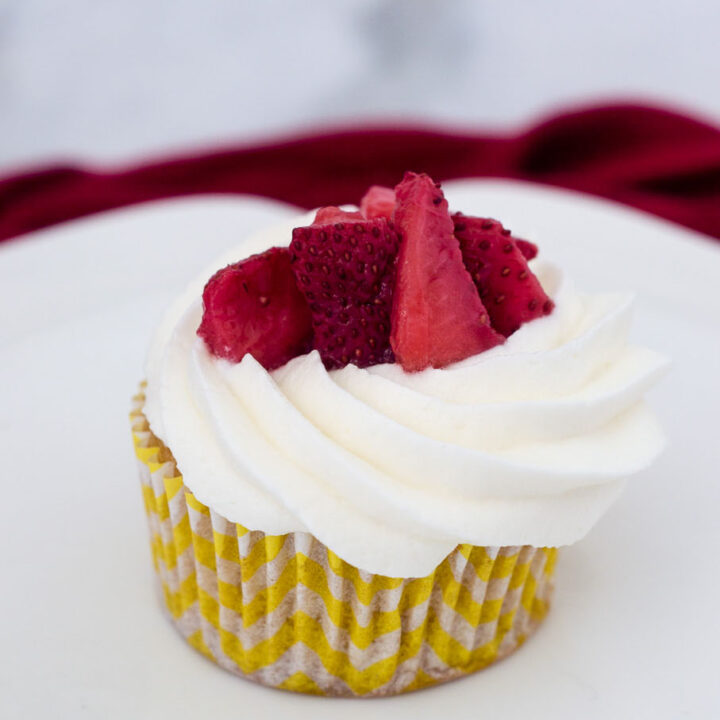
x,y
527,443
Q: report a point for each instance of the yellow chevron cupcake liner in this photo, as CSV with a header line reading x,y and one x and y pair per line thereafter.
x,y
285,611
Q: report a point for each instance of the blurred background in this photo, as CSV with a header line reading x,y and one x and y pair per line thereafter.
x,y
113,81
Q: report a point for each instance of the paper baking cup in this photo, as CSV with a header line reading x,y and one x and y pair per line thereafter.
x,y
285,611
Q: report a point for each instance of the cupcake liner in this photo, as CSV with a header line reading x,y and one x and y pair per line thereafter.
x,y
285,611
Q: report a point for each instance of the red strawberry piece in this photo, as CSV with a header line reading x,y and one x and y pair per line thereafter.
x,y
254,306
510,291
437,315
528,249
378,201
346,271
332,214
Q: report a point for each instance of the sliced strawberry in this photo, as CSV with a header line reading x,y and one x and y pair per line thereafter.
x,y
332,214
254,306
510,291
437,315
378,201
346,271
528,249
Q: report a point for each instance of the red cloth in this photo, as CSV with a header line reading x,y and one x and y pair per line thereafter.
x,y
652,159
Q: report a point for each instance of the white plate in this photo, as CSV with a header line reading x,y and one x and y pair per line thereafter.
x,y
633,631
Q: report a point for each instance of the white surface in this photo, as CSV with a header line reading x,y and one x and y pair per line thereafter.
x,y
633,632
111,81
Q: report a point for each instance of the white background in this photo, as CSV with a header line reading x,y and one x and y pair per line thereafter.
x,y
118,80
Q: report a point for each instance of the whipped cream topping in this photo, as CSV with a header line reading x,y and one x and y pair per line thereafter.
x,y
527,443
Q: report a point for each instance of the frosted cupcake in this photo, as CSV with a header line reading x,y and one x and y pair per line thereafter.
x,y
361,445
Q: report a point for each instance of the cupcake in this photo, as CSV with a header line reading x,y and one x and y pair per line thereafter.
x,y
364,435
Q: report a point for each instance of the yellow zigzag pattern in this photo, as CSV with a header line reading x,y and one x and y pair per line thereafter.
x,y
206,567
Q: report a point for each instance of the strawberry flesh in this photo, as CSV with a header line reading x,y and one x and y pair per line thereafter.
x,y
332,214
254,306
510,291
528,249
378,201
437,315
346,271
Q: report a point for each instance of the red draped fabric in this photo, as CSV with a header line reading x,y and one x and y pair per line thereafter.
x,y
652,159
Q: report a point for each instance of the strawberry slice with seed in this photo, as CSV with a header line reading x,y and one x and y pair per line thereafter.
x,y
346,271
254,306
508,288
437,316
527,248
